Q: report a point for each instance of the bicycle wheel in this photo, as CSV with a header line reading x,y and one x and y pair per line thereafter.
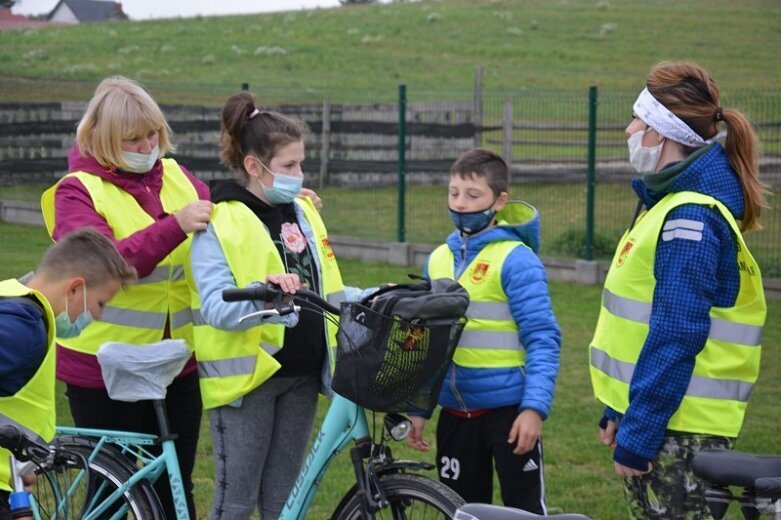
x,y
63,489
410,497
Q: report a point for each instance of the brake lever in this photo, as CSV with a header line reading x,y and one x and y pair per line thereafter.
x,y
285,309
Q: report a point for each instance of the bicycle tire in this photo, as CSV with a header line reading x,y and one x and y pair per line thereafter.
x,y
89,443
410,496
53,487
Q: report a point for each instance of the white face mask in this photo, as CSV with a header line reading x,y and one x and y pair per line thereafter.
x,y
140,162
643,158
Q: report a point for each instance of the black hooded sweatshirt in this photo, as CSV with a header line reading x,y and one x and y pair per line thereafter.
x,y
304,347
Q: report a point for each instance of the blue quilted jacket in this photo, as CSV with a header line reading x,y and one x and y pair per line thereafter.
x,y
526,285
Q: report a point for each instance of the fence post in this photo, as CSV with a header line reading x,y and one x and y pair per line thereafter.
x,y
591,180
402,160
325,143
477,106
507,132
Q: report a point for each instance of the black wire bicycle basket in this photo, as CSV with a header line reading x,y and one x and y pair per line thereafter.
x,y
392,353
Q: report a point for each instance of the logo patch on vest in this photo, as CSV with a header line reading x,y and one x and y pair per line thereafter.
x,y
479,272
328,251
624,252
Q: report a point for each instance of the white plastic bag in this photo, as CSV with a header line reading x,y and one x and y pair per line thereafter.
x,y
141,372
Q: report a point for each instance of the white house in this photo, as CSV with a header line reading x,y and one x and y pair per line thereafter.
x,y
81,11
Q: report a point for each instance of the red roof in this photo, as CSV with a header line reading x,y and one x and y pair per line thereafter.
x,y
9,20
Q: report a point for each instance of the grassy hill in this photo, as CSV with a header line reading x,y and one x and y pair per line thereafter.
x,y
429,45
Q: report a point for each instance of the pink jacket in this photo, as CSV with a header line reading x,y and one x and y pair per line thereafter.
x,y
143,250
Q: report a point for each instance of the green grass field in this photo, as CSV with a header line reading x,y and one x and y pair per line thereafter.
x,y
372,214
579,474
430,45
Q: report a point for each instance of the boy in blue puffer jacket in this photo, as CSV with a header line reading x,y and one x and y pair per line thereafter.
x,y
500,385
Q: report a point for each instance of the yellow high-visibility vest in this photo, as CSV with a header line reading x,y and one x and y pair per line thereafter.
x,y
490,337
727,367
32,408
231,364
138,313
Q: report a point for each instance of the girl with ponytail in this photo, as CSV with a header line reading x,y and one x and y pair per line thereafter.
x,y
262,401
676,349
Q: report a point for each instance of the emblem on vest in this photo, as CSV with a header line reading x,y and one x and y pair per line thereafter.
x,y
328,251
624,252
479,272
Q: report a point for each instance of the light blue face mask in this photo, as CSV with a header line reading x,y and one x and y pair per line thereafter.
x,y
140,162
69,329
284,189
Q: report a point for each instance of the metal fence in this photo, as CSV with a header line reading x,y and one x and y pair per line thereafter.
x,y
355,144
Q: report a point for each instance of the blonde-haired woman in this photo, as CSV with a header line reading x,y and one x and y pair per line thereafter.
x,y
121,184
676,348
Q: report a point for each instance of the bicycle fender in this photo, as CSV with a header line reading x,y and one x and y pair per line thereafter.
x,y
401,466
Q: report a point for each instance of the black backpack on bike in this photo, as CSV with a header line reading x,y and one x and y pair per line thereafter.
x,y
394,347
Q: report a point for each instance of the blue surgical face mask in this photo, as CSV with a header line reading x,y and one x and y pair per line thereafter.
x,y
472,222
284,189
69,329
140,162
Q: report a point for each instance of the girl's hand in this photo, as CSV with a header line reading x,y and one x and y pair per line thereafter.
x,y
287,282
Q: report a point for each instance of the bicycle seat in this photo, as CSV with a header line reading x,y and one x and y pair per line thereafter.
x,y
733,468
140,372
490,512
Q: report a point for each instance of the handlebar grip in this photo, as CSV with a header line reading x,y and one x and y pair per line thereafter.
x,y
11,437
768,487
262,292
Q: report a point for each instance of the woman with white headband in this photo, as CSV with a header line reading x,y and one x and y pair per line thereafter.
x,y
676,348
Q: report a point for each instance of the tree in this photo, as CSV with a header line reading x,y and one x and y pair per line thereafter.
x,y
352,2
8,3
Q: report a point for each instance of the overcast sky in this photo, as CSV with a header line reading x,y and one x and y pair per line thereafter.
x,y
145,9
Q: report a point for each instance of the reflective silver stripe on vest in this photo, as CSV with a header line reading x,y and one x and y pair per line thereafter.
x,y
27,432
181,318
131,318
227,367
177,273
750,335
198,318
270,349
625,308
490,340
722,330
163,273
335,298
159,274
489,311
698,386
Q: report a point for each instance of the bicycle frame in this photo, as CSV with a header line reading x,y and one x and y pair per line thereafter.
x,y
344,422
152,466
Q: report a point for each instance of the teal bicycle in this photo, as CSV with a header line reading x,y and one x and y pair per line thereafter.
x,y
103,474
384,487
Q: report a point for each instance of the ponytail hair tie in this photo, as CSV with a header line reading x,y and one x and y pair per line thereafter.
x,y
719,114
254,113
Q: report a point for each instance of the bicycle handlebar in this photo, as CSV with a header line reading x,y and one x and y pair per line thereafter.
x,y
263,293
269,292
23,448
11,438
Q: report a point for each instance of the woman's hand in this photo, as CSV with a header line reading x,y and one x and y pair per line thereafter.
x,y
311,195
194,216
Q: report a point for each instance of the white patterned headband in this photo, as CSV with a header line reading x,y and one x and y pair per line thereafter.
x,y
667,124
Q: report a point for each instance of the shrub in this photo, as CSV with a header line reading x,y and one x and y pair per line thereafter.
x,y
572,243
